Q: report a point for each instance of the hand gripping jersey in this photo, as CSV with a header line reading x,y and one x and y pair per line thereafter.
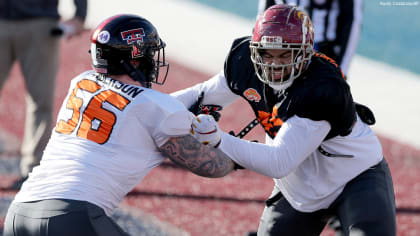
x,y
320,93
105,141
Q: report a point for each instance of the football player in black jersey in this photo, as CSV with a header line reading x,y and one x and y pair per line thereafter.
x,y
324,158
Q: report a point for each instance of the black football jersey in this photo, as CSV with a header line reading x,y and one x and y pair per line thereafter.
x,y
320,93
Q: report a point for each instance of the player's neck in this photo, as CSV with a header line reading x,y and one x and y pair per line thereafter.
x,y
125,79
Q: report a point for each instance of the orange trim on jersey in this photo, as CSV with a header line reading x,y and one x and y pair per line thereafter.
x,y
274,119
330,60
270,121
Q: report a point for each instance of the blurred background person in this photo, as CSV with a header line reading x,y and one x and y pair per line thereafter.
x,y
30,33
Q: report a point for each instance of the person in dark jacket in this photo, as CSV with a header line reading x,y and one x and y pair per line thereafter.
x,y
30,33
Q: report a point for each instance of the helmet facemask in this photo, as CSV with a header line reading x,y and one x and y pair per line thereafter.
x,y
150,61
268,73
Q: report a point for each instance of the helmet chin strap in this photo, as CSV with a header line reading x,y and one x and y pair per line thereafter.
x,y
136,74
281,87
284,86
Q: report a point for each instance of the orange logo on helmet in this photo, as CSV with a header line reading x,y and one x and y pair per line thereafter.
x,y
252,95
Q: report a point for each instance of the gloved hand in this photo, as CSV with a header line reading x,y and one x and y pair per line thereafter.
x,y
209,109
212,110
206,130
195,108
365,114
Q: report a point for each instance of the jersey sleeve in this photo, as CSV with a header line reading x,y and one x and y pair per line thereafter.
x,y
216,92
174,124
164,117
296,140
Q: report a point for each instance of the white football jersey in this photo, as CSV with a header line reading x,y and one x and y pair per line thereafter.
x,y
105,141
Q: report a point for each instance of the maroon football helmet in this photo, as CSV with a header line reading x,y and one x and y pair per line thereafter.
x,y
282,27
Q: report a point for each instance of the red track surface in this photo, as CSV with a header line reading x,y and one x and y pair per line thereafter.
x,y
227,206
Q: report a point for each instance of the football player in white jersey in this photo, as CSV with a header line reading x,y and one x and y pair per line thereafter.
x,y
111,130
324,158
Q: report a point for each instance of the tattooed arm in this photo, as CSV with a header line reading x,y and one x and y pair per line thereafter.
x,y
198,158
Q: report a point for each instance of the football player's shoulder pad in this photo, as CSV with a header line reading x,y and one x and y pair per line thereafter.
x,y
238,68
328,98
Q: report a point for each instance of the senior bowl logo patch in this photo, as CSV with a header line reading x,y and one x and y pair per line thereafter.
x,y
252,95
104,37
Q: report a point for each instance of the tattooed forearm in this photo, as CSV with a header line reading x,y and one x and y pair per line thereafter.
x,y
200,159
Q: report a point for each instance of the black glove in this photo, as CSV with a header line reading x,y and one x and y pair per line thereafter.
x,y
365,114
197,108
212,110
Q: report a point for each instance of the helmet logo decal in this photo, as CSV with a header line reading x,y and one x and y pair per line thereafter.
x,y
252,95
271,41
133,35
135,52
306,22
104,37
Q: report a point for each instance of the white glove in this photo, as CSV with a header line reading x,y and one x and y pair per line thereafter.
x,y
206,130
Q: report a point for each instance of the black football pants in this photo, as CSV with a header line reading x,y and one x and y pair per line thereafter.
x,y
365,207
59,217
